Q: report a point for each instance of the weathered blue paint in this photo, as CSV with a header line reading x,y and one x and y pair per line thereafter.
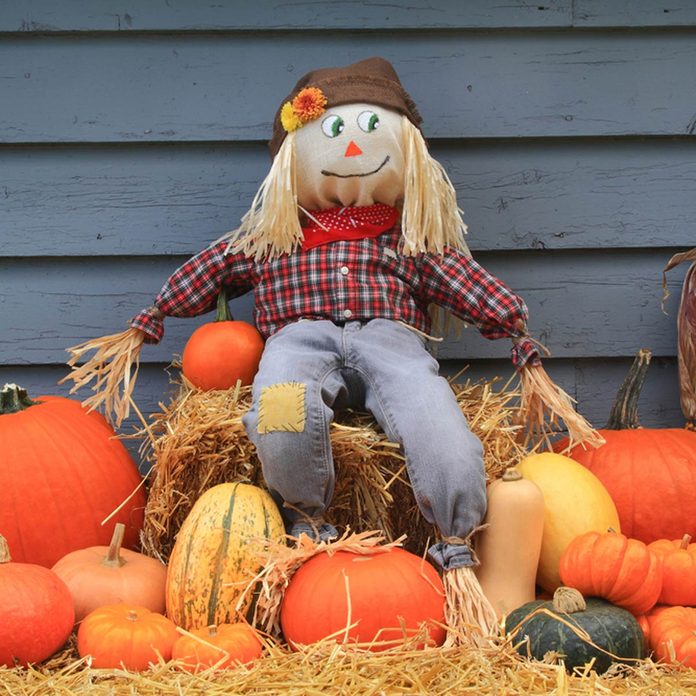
x,y
209,87
130,200
132,134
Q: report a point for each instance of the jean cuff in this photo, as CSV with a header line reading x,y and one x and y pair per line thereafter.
x,y
449,556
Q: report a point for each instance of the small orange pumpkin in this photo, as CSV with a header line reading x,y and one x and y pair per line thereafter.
x,y
678,561
125,635
645,621
217,646
36,611
101,575
220,353
610,565
673,635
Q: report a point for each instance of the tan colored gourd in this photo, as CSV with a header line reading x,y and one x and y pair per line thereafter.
x,y
508,547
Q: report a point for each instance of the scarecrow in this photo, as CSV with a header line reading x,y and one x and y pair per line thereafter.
x,y
352,236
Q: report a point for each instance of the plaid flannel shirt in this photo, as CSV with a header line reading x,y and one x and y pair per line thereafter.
x,y
354,280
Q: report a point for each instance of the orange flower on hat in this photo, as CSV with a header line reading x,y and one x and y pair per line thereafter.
x,y
309,104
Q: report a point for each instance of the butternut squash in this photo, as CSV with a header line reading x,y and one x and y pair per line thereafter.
x,y
509,546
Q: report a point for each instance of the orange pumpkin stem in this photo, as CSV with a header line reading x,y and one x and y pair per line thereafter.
x,y
624,412
4,550
132,615
212,631
686,539
113,558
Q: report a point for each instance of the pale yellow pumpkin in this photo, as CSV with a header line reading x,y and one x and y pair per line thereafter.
x,y
216,554
575,502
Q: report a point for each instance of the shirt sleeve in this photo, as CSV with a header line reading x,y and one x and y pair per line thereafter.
x,y
193,288
456,282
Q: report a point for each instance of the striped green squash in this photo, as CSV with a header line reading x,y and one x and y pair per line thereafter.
x,y
215,555
561,626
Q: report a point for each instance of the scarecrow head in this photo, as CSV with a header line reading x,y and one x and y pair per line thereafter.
x,y
345,137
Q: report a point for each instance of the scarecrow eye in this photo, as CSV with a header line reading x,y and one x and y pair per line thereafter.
x,y
332,126
368,121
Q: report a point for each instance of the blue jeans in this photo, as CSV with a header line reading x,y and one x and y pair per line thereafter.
x,y
309,369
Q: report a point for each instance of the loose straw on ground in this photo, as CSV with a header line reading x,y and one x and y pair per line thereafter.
x,y
332,669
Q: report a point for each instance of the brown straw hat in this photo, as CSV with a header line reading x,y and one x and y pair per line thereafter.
x,y
372,80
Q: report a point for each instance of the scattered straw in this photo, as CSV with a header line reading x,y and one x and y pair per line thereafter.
x,y
332,669
198,441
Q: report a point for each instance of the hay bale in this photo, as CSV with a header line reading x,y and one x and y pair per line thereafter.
x,y
198,441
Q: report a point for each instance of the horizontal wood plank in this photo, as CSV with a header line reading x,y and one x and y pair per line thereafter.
x,y
581,304
46,16
176,199
129,15
634,13
218,88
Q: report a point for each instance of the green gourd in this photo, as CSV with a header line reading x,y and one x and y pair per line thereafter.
x,y
541,626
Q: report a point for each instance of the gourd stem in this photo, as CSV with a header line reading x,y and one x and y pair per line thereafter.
x,y
568,600
686,539
14,399
4,550
223,311
212,631
624,412
113,557
511,474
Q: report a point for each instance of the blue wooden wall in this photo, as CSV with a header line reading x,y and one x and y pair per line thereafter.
x,y
132,133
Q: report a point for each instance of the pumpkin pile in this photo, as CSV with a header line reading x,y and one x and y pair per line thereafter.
x,y
617,527
554,522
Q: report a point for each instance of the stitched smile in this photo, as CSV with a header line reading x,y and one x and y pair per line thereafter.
x,y
350,176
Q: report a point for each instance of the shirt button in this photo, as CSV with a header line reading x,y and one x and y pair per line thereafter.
x,y
347,313
345,270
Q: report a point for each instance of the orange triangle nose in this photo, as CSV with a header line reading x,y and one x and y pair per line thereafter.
x,y
352,150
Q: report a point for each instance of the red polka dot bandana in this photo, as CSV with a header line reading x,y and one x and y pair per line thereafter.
x,y
326,226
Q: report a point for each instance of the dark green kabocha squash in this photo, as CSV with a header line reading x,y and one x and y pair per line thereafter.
x,y
609,627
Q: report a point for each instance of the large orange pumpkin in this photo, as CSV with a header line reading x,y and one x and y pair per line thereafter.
x,y
36,611
623,571
646,471
220,353
372,599
62,474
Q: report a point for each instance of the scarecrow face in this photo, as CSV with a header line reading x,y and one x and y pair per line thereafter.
x,y
350,156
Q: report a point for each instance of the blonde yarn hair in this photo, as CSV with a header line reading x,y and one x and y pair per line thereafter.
x,y
271,226
430,221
